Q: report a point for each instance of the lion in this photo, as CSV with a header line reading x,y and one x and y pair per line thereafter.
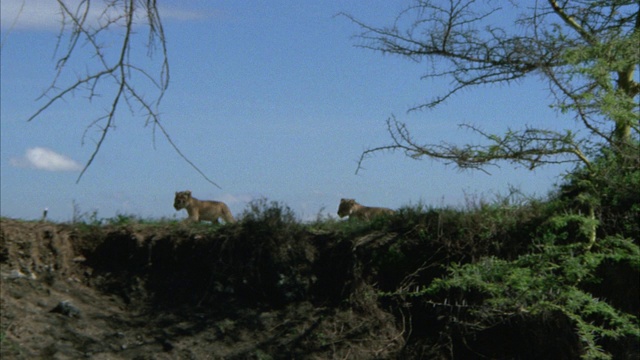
x,y
356,211
202,210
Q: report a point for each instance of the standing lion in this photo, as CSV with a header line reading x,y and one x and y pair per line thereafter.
x,y
200,210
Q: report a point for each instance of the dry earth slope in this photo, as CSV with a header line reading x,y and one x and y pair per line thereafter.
x,y
171,292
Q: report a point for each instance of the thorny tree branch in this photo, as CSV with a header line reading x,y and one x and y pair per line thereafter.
x,y
83,26
587,51
530,147
449,34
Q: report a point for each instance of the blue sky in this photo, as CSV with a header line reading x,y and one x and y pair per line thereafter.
x,y
269,99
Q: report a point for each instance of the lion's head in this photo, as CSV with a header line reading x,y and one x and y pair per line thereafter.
x,y
345,207
182,199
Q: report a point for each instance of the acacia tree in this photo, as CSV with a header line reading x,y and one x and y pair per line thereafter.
x,y
112,71
586,50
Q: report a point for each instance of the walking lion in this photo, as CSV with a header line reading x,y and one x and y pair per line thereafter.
x,y
200,210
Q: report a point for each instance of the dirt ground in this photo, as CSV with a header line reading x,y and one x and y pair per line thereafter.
x,y
65,294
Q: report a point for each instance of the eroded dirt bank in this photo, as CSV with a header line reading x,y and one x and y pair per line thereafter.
x,y
153,292
272,288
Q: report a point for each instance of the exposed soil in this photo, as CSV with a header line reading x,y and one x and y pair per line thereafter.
x,y
153,292
264,288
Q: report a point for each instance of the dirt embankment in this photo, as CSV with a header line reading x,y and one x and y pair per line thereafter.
x,y
270,288
171,292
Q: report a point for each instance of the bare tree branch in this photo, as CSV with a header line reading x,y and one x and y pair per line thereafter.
x,y
530,147
88,24
586,50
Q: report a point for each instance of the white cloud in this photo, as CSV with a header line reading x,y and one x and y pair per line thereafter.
x,y
45,14
46,159
30,14
236,199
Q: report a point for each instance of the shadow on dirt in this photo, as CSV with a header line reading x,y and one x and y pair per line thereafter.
x,y
141,292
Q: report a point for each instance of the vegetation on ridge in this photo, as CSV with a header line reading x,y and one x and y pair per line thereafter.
x,y
508,278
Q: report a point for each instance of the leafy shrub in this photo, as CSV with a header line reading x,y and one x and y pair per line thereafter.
x,y
611,186
546,282
269,214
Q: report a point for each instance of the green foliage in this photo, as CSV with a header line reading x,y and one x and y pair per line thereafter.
x,y
534,260
586,50
350,228
83,217
596,62
546,281
459,273
612,188
269,214
569,228
573,258
91,218
124,219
